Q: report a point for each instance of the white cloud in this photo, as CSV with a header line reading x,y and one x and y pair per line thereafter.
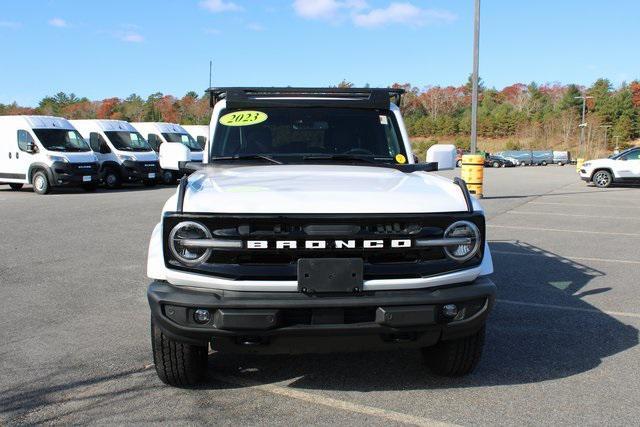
x,y
328,10
253,26
131,37
58,22
10,24
402,13
211,31
217,6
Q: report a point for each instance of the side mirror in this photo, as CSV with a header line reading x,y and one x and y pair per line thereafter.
x,y
31,148
416,159
443,154
104,148
172,154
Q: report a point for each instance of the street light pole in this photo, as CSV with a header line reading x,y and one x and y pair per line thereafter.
x,y
476,66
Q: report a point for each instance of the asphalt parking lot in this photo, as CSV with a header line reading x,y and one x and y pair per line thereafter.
x,y
562,343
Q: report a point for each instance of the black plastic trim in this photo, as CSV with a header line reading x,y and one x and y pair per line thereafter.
x,y
247,97
182,187
465,192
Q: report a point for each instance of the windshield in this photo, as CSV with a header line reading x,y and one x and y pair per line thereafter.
x,y
128,141
61,140
300,133
184,138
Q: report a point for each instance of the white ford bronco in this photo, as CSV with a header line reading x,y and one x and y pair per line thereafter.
x,y
309,227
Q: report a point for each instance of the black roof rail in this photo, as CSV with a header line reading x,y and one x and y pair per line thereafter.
x,y
248,97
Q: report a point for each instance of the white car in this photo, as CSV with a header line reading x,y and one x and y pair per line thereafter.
x,y
618,169
310,228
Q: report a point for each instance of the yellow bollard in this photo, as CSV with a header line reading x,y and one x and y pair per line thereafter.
x,y
473,172
579,163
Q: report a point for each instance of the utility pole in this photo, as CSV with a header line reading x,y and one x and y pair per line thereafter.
x,y
476,66
583,124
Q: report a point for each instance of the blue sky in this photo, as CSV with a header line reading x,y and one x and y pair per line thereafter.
x,y
103,49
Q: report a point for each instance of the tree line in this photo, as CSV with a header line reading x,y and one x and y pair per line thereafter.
x,y
528,116
520,116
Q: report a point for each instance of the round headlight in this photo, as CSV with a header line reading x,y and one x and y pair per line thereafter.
x,y
179,237
463,230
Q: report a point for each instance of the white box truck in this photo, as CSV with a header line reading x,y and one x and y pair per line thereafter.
x,y
199,132
46,152
123,154
172,143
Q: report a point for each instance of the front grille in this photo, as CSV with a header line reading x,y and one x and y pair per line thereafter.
x,y
281,264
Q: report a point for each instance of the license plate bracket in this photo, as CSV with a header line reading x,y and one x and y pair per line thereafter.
x,y
330,275
86,178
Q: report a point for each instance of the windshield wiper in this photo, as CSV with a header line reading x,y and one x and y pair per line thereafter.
x,y
248,157
347,157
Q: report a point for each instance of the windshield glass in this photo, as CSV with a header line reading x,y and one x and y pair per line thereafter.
x,y
128,141
184,138
299,133
61,140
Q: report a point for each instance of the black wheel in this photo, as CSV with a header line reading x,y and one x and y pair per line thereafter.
x,y
112,179
149,182
602,179
16,187
40,182
168,177
459,163
496,164
90,188
455,358
177,364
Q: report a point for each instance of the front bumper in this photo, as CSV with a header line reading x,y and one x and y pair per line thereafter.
x,y
63,174
585,175
276,322
133,171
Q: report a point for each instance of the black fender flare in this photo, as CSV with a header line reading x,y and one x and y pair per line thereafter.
x,y
36,166
110,164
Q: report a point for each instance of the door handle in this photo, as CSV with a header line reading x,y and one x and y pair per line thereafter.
x,y
17,155
9,154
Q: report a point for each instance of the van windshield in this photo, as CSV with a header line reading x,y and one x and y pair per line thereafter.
x,y
61,140
293,134
128,141
184,138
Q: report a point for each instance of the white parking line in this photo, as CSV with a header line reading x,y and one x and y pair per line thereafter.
x,y
586,205
567,308
636,218
574,258
562,230
316,399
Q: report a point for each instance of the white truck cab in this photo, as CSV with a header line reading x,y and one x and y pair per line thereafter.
x,y
310,228
124,155
199,132
46,152
173,144
620,168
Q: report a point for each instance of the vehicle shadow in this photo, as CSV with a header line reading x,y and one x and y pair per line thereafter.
x,y
540,330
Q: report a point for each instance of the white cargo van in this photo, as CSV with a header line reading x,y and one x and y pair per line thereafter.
x,y
46,152
124,155
172,143
199,132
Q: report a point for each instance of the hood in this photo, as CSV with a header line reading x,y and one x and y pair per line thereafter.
x,y
319,189
75,157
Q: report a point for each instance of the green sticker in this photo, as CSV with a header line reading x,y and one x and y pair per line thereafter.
x,y
243,118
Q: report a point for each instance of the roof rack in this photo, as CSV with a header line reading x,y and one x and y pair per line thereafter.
x,y
250,97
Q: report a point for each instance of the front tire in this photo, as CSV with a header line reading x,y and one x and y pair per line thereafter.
x,y
455,358
41,183
177,364
16,187
602,179
496,164
112,179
